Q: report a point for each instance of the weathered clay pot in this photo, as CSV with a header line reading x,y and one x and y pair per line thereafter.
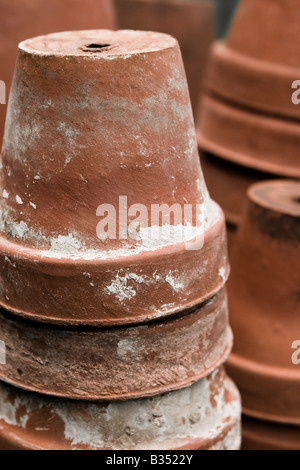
x,y
261,435
203,416
259,61
71,147
116,363
191,22
249,87
264,302
22,19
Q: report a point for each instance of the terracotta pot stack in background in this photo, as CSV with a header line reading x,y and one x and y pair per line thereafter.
x,y
119,340
264,310
190,22
247,120
21,19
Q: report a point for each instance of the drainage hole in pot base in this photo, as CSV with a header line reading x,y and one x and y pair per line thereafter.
x,y
95,47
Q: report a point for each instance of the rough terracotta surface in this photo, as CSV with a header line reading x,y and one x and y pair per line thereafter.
x,y
261,435
69,148
191,22
23,19
117,363
203,416
249,86
264,302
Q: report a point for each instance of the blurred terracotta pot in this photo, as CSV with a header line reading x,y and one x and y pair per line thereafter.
x,y
191,22
117,363
264,143
22,19
264,302
249,86
261,435
257,64
72,148
203,416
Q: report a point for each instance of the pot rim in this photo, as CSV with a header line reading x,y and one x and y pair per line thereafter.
x,y
271,76
262,373
286,207
235,156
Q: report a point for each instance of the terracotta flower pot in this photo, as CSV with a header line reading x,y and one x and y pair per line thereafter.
x,y
259,61
77,140
22,19
249,83
204,416
117,363
264,302
191,22
261,435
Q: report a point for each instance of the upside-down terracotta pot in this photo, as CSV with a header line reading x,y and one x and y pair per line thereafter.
x,y
263,435
264,302
249,87
203,416
22,19
116,363
257,64
97,118
189,21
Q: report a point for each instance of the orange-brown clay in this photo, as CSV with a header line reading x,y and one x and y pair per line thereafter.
x,y
191,22
264,302
116,363
249,88
203,416
83,129
263,435
257,64
227,183
23,19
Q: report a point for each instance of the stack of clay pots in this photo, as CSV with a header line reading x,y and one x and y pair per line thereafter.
x,y
248,126
264,305
190,22
21,19
111,342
